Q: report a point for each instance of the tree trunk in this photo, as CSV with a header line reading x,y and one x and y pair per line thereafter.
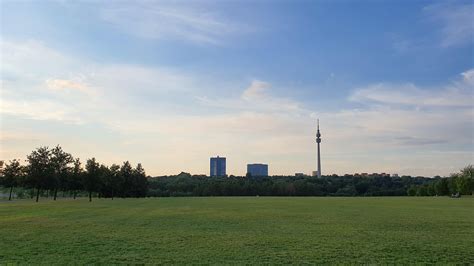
x,y
37,194
74,194
90,196
55,193
112,195
11,190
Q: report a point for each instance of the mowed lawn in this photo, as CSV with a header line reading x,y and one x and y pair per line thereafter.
x,y
239,230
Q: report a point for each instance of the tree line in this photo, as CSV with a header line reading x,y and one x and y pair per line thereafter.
x,y
186,184
461,183
54,170
49,171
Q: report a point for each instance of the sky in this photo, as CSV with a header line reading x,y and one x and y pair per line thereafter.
x,y
171,83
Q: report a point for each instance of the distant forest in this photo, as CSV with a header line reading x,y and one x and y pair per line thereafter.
x,y
52,171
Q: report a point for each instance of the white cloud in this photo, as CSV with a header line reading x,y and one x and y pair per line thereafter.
x,y
257,97
36,87
457,22
68,85
409,115
132,120
160,20
457,94
41,109
256,90
468,77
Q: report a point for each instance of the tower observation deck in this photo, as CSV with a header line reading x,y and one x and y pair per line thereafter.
x,y
318,141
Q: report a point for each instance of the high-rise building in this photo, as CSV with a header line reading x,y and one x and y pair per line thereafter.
x,y
318,140
257,169
218,166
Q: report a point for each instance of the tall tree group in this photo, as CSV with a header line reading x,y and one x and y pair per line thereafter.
x,y
54,170
461,183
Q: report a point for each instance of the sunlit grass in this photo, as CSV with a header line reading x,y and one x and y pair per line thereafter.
x,y
238,230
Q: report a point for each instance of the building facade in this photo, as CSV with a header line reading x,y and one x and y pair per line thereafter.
x,y
218,165
257,169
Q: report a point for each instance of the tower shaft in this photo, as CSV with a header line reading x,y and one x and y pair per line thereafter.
x,y
318,141
319,161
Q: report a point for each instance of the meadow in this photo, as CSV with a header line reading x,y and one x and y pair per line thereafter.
x,y
238,230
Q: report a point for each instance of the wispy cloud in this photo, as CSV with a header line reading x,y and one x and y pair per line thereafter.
x,y
62,89
468,77
131,103
68,85
257,97
163,20
41,109
457,94
456,21
256,90
408,115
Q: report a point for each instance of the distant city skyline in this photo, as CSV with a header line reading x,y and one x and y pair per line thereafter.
x,y
170,84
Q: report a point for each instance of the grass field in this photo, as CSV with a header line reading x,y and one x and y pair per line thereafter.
x,y
238,230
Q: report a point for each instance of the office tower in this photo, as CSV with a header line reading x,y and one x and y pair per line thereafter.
x,y
257,169
218,166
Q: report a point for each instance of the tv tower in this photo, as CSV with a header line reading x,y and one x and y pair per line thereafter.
x,y
318,140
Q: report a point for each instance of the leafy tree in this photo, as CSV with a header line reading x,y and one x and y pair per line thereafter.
x,y
11,175
126,176
115,179
60,161
140,186
466,186
39,169
91,177
105,181
431,189
412,190
76,177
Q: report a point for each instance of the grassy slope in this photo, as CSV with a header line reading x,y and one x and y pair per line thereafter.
x,y
239,230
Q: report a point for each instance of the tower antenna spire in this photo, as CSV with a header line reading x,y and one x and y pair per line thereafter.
x,y
318,141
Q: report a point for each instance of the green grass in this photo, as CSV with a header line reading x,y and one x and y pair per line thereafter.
x,y
239,230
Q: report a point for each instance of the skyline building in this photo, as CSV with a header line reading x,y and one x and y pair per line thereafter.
x,y
318,141
218,166
257,169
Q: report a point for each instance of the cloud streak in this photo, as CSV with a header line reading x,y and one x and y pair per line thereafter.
x,y
133,115
457,26
160,20
455,95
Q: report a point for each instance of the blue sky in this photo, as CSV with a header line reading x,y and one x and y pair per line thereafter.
x,y
171,83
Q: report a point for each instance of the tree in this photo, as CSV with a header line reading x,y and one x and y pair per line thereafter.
x,y
411,191
11,175
431,189
126,176
422,190
116,181
60,161
441,187
140,182
467,183
91,177
104,182
39,169
76,177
